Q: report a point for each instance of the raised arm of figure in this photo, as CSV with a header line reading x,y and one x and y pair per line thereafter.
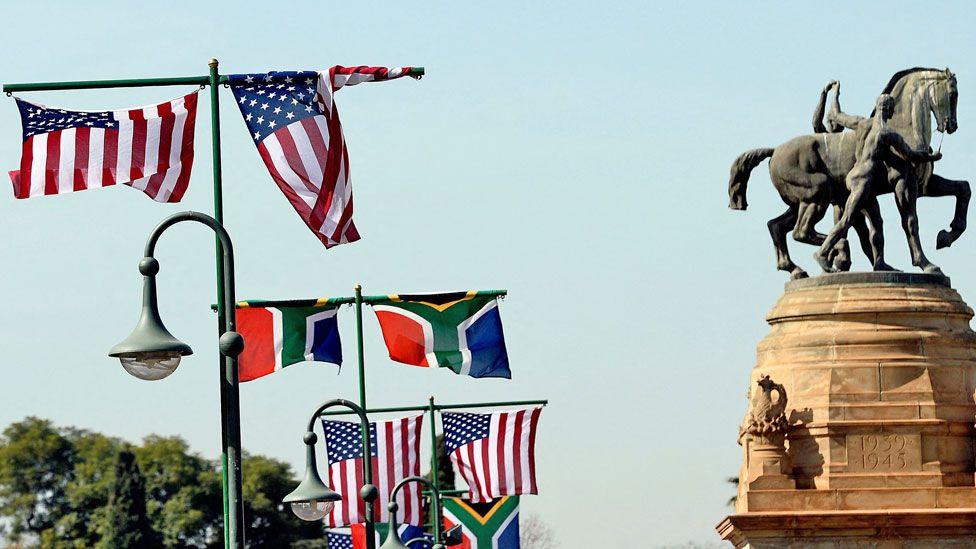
x,y
818,112
837,118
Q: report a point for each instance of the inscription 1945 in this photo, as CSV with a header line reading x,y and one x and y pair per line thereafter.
x,y
884,453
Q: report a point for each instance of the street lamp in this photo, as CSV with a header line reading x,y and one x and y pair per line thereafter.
x,y
151,353
392,536
312,500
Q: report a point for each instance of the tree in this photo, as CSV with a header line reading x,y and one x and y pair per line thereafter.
x,y
183,492
734,481
36,465
87,491
266,482
128,526
59,489
534,533
445,469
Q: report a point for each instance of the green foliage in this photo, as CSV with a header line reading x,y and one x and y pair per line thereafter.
x,y
445,470
269,524
183,491
87,492
734,481
66,488
36,466
127,524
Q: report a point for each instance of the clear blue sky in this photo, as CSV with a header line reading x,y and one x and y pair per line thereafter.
x,y
574,153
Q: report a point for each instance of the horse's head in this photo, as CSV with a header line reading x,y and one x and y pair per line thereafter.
x,y
943,96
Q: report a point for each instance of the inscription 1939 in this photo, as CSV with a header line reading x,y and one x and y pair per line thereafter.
x,y
884,453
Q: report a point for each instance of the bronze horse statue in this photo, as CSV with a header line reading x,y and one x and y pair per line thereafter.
x,y
809,172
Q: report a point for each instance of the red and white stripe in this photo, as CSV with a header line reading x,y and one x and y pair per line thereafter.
x,y
309,161
398,457
350,76
152,150
502,464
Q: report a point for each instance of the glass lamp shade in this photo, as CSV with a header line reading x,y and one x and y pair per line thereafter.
x,y
151,366
150,352
313,510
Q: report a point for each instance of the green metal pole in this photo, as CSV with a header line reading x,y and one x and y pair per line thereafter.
x,y
367,451
438,407
322,302
435,500
230,409
102,84
359,345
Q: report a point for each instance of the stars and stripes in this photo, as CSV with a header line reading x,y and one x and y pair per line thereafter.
x,y
340,538
395,455
148,148
354,537
294,123
495,453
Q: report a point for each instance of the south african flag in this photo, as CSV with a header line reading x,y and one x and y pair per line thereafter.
x,y
491,525
461,331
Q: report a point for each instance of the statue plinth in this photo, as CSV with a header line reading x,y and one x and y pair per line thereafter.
x,y
880,369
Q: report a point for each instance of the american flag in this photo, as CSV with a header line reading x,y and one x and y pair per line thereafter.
x,y
495,453
354,537
395,451
294,123
149,148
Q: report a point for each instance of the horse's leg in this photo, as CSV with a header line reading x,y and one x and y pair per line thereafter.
x,y
906,194
872,211
810,213
940,186
778,227
858,187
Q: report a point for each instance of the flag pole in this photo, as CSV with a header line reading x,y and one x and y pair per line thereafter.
x,y
358,299
367,451
434,474
229,393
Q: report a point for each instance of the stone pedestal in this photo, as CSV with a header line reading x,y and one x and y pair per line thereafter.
x,y
880,369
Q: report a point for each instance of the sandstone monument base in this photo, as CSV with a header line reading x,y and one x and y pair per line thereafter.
x,y
880,371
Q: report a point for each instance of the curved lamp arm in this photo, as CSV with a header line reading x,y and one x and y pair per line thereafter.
x,y
392,536
312,487
368,492
228,255
430,485
352,406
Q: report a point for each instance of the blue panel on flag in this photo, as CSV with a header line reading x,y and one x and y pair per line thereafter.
x,y
274,100
487,345
326,346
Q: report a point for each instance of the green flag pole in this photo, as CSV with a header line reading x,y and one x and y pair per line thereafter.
x,y
435,502
331,301
367,451
230,408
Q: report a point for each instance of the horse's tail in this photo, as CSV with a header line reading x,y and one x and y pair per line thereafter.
x,y
739,175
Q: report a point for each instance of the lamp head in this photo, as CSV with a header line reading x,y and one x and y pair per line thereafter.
x,y
312,500
150,352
